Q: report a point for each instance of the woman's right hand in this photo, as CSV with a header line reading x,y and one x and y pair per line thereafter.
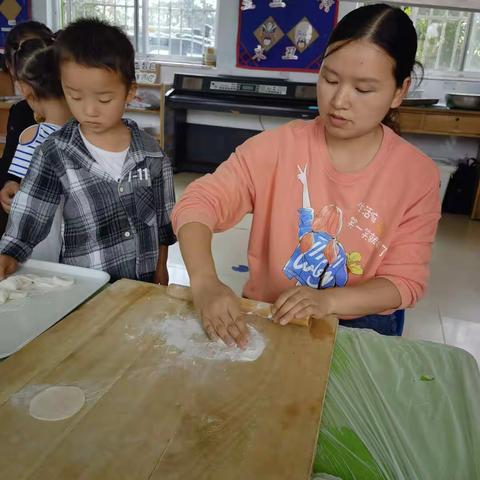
x,y
220,312
7,193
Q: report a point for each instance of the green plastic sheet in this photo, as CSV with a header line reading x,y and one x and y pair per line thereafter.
x,y
399,409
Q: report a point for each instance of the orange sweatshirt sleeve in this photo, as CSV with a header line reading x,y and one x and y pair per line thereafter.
x,y
219,200
406,262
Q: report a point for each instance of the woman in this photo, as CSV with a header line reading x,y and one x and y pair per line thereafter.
x,y
344,210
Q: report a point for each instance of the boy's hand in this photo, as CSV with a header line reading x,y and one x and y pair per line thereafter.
x,y
219,309
161,275
7,193
8,265
301,302
161,272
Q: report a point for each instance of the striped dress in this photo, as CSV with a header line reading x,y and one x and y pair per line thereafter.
x,y
50,248
23,155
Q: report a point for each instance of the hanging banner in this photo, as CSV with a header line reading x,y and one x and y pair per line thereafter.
x,y
286,35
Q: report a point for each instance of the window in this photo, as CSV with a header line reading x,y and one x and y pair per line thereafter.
x,y
448,39
174,30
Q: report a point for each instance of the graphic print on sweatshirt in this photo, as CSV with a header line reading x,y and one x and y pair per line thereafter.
x,y
319,259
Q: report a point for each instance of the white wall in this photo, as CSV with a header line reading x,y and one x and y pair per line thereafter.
x,y
46,11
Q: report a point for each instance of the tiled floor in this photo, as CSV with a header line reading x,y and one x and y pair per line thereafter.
x,y
449,313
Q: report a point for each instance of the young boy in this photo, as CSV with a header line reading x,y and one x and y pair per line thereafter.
x,y
116,181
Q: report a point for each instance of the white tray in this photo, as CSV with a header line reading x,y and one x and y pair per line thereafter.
x,y
23,320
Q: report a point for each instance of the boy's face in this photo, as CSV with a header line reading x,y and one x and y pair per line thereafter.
x,y
96,96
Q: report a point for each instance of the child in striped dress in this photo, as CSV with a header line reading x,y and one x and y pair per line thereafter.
x,y
35,70
30,139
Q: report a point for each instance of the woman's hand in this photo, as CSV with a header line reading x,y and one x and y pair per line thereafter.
x,y
301,302
7,193
220,312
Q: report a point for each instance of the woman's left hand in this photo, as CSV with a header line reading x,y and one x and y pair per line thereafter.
x,y
301,302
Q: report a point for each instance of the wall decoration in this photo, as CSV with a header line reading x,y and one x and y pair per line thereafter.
x,y
147,72
268,33
247,5
11,13
284,34
326,5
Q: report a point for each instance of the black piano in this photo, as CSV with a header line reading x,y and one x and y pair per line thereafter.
x,y
201,148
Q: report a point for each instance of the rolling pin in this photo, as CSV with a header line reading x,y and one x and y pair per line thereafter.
x,y
247,306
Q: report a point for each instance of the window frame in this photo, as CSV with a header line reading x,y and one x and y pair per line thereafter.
x,y
140,36
465,6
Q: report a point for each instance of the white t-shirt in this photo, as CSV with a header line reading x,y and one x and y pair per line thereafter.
x,y
110,162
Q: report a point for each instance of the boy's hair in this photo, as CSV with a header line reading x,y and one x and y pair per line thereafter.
x,y
35,63
94,43
22,32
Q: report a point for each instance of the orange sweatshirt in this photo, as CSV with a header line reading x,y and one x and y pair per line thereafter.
x,y
315,226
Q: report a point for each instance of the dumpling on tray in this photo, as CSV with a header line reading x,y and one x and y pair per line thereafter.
x,y
19,286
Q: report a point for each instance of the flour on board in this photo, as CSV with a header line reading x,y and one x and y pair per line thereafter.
x,y
189,338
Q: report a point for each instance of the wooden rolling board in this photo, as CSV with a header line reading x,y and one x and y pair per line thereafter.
x,y
153,414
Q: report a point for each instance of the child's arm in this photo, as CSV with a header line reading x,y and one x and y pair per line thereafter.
x,y
11,187
8,265
7,193
161,273
33,208
165,197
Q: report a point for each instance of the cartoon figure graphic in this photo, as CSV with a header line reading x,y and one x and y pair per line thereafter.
x,y
319,260
303,35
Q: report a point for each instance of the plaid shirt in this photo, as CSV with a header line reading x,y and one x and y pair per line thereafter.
x,y
112,226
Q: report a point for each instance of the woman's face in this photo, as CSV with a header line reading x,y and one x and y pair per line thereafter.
x,y
356,89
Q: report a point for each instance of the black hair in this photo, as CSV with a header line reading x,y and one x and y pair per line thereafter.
x,y
35,63
21,32
94,43
391,29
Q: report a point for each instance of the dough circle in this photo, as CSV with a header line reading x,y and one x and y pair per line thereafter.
x,y
57,403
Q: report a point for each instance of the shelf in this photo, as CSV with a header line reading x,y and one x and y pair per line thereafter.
x,y
6,105
155,85
440,121
142,110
